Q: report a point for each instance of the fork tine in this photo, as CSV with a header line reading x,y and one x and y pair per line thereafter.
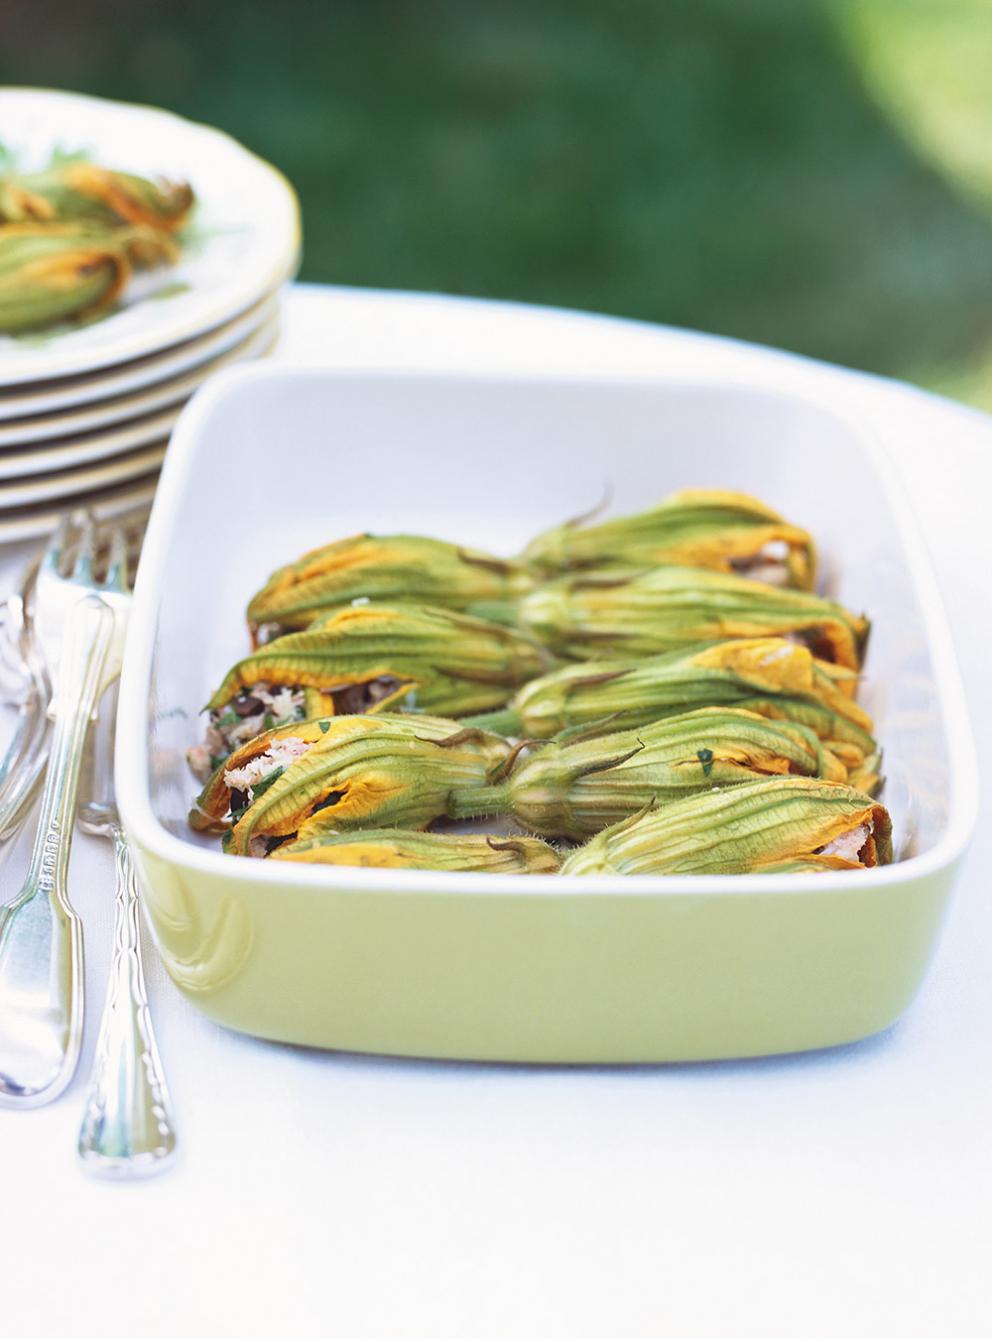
x,y
51,559
83,570
116,578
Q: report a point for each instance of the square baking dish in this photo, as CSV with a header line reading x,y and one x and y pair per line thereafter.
x,y
267,462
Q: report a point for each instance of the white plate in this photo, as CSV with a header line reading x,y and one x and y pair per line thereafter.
x,y
169,395
83,479
44,397
106,503
242,241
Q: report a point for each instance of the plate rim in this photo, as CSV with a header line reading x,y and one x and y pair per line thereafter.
x,y
43,517
172,392
185,357
123,464
118,440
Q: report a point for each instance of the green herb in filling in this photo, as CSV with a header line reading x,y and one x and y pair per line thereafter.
x,y
262,786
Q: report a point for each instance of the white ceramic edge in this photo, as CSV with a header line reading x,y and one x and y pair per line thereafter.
x,y
153,369
112,414
239,297
38,489
49,434
58,457
16,528
131,751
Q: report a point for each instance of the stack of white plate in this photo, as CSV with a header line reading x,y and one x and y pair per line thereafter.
x,y
86,410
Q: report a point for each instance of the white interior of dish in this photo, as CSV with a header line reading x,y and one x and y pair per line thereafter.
x,y
268,463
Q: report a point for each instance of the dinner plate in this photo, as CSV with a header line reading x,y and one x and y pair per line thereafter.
x,y
106,504
167,395
43,397
67,483
242,240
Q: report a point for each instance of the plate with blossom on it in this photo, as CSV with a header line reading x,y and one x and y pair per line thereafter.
x,y
242,239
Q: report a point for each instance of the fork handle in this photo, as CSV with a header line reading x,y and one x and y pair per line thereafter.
x,y
128,1128
41,937
27,753
22,769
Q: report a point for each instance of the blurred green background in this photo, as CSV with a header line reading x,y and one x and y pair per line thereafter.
x,y
812,175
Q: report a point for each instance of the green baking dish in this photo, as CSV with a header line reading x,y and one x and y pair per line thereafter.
x,y
491,967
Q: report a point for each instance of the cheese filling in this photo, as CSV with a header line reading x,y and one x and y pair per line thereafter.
x,y
280,753
848,845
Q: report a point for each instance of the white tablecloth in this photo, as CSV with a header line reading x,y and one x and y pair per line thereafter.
x,y
844,1193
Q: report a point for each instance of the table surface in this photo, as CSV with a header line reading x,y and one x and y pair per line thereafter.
x,y
840,1193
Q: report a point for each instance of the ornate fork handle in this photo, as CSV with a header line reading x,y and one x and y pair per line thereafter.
x,y
41,937
128,1127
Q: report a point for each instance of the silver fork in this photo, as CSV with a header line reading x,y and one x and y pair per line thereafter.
x,y
28,683
128,1128
41,942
